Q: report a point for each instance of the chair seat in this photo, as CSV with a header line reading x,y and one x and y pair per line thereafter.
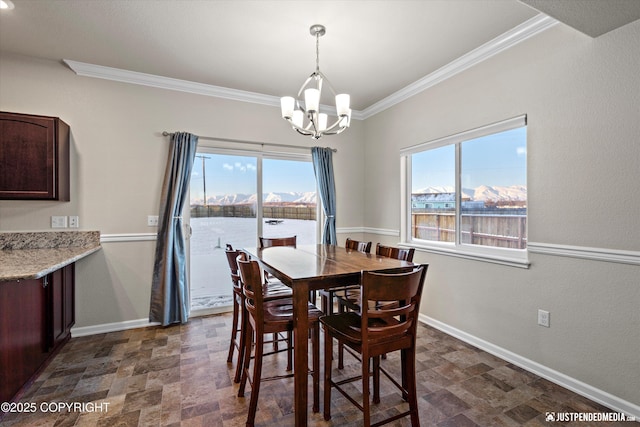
x,y
281,311
347,327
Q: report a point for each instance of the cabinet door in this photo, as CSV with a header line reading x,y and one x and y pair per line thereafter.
x,y
34,157
22,333
61,305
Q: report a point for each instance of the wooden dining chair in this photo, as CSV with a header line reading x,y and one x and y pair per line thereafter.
x,y
351,298
376,330
270,317
403,254
327,296
267,242
271,291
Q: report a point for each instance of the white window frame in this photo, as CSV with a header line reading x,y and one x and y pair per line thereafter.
x,y
505,256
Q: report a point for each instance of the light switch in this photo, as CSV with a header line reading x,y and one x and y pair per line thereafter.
x,y
58,222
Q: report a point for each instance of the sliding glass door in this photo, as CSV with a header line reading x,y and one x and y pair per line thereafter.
x,y
225,209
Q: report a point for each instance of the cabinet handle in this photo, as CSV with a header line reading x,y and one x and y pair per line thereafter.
x,y
45,282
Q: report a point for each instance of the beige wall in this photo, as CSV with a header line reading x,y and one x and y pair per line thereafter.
x,y
118,159
582,100
581,97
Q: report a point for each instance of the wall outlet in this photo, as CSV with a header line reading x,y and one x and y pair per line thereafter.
x,y
58,222
74,221
543,318
152,220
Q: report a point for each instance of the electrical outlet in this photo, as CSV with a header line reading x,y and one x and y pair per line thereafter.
x,y
74,221
58,222
152,220
543,318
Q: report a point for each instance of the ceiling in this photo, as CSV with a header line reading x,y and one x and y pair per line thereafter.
x,y
372,49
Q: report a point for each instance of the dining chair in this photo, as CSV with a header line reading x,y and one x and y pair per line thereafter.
x,y
403,254
350,299
267,242
328,295
376,330
271,291
270,317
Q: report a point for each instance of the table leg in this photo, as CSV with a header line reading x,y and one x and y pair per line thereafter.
x,y
300,346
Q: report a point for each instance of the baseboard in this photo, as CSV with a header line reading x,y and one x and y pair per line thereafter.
x,y
545,372
111,327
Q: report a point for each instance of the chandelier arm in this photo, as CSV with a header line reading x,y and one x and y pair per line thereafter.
x,y
301,130
333,126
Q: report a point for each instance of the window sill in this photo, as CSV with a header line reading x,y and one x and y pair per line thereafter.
x,y
472,255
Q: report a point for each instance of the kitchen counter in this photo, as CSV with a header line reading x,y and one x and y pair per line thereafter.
x,y
33,255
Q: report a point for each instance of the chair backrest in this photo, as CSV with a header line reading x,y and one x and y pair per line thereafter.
x,y
267,242
233,266
397,318
357,245
392,252
251,280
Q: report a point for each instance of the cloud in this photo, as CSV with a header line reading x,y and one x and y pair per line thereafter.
x,y
227,166
521,151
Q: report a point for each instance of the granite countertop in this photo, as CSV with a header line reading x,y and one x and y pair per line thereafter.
x,y
34,255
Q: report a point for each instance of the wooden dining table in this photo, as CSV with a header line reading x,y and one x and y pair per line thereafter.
x,y
308,268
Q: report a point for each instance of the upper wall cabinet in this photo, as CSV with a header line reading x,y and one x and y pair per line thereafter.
x,y
34,157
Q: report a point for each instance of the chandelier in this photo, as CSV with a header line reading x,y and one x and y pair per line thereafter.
x,y
305,116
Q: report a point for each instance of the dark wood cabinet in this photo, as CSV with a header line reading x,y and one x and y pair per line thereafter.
x,y
23,344
36,317
34,157
61,316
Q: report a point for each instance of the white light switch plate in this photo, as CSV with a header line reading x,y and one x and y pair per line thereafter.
x,y
58,222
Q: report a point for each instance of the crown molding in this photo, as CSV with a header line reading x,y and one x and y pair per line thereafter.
x,y
520,33
504,41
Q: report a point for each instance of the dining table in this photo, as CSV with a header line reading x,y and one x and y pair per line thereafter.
x,y
306,268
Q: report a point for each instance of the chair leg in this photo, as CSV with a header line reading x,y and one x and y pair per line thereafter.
x,y
244,325
234,330
405,373
248,339
366,406
328,356
257,373
315,342
376,379
411,387
289,350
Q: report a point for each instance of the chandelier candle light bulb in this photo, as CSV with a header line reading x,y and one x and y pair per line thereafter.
x,y
295,111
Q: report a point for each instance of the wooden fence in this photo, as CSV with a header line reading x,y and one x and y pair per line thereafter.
x,y
505,231
249,211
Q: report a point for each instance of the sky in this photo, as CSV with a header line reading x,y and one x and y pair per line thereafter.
x,y
227,174
493,160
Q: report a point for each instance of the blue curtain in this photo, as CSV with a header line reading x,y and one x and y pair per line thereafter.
x,y
170,286
323,169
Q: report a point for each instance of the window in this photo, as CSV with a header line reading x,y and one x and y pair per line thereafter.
x,y
466,194
225,207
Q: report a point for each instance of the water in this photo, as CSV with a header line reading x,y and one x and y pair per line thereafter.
x,y
210,281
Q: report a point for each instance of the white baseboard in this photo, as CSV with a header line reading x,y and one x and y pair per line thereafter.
x,y
111,327
545,372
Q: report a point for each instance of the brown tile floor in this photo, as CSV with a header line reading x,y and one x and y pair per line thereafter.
x,y
179,376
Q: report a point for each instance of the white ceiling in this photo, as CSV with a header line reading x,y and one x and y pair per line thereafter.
x,y
372,48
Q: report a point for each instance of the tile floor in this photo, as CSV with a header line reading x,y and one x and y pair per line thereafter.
x,y
178,376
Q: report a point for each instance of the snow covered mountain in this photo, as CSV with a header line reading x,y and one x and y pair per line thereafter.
x,y
483,192
240,199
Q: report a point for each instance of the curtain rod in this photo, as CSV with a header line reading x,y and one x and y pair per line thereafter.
x,y
211,138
